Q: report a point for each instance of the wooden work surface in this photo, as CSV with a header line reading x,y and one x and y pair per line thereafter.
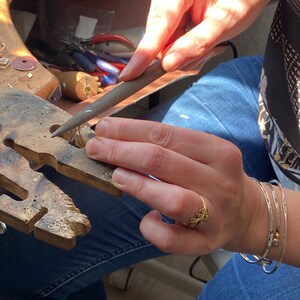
x,y
38,80
26,123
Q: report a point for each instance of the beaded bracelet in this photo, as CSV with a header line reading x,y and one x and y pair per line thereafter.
x,y
273,240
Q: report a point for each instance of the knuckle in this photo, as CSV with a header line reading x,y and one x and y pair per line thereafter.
x,y
122,129
160,134
167,241
232,156
177,205
112,154
139,187
236,13
155,159
158,20
198,44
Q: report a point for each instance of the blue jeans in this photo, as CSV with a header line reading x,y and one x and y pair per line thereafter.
x,y
240,280
223,102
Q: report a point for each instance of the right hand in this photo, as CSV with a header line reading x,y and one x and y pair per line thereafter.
x,y
188,164
183,33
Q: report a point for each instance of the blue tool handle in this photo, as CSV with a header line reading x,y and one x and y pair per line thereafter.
x,y
113,58
102,64
83,62
108,79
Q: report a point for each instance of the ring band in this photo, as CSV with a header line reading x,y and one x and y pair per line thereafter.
x,y
2,46
200,216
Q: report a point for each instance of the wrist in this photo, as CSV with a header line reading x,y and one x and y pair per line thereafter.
x,y
254,232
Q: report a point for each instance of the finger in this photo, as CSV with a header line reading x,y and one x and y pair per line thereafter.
x,y
198,63
177,203
172,238
151,159
192,144
217,23
193,45
164,18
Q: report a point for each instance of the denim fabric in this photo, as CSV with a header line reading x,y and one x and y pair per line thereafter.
x,y
223,102
31,269
240,280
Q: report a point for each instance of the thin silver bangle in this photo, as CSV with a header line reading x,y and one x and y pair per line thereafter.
x,y
265,262
262,258
275,241
283,244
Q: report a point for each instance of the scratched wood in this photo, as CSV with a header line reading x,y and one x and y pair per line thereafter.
x,y
40,81
26,124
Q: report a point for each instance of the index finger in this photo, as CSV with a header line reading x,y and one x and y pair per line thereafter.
x,y
196,145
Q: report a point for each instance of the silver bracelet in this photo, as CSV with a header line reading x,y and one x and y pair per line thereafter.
x,y
283,244
276,237
273,240
262,258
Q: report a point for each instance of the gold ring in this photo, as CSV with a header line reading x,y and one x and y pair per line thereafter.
x,y
2,46
200,216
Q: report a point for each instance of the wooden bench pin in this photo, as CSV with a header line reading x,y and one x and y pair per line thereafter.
x,y
26,125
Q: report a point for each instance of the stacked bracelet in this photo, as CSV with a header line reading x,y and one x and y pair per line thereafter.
x,y
284,210
274,227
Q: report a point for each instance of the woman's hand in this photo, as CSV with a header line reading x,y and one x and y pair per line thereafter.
x,y
187,164
184,32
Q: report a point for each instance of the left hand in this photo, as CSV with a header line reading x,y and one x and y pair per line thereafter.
x,y
184,33
188,164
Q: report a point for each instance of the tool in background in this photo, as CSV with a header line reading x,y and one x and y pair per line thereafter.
x,y
77,85
37,80
44,52
98,39
90,61
74,56
113,97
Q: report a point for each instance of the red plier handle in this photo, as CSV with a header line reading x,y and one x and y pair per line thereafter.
x,y
105,38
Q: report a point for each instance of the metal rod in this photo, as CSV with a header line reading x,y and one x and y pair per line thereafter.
x,y
113,97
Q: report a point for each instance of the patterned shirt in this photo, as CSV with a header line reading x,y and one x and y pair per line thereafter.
x,y
279,117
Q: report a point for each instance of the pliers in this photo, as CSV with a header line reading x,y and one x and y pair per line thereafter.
x,y
98,39
90,60
106,38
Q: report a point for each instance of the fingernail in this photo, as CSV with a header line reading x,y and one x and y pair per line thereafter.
x,y
123,73
102,127
133,68
120,177
93,146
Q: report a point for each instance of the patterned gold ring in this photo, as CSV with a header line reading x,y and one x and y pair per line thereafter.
x,y
200,216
